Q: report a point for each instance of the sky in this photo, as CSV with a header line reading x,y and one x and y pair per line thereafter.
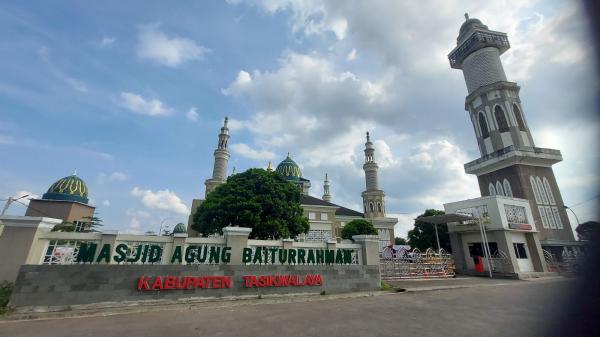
x,y
131,96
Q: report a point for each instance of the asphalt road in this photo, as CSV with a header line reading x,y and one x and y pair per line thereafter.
x,y
519,308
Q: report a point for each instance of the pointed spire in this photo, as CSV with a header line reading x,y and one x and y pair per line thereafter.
x,y
226,120
326,193
466,16
269,168
368,137
232,173
288,155
74,172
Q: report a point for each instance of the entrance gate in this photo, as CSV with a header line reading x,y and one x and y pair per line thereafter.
x,y
402,264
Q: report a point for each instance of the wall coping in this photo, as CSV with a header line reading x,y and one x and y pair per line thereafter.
x,y
29,221
365,238
236,231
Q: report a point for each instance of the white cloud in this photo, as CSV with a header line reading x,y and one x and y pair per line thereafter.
x,y
162,199
6,139
171,51
106,203
192,114
106,41
141,105
351,55
245,150
77,84
114,176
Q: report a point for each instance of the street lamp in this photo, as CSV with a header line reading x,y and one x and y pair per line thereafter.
x,y
576,218
9,201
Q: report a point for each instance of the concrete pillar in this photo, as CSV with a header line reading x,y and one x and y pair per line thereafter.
x,y
109,237
505,244
237,239
535,250
288,243
331,244
370,248
179,239
19,242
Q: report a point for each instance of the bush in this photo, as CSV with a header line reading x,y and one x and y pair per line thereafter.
x,y
6,289
358,227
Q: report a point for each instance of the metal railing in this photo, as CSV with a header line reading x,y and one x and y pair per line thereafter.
x,y
403,264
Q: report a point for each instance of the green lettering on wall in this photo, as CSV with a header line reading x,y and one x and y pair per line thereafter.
x,y
329,256
121,253
246,255
292,256
301,255
104,254
339,257
347,256
310,259
155,254
86,252
226,254
257,255
320,256
189,254
213,256
176,255
282,256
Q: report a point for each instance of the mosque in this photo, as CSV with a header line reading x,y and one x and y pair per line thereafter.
x,y
325,217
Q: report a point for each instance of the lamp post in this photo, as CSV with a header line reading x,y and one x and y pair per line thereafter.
x,y
9,201
576,218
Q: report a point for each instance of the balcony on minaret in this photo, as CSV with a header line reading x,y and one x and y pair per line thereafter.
x,y
512,155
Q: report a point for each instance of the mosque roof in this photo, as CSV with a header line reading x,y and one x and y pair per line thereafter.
x,y
343,211
289,169
71,188
179,229
469,24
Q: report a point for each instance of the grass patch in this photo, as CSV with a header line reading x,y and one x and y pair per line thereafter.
x,y
6,289
386,286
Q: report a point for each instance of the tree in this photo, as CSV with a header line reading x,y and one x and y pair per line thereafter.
x,y
422,236
358,227
91,225
400,241
261,200
94,222
586,230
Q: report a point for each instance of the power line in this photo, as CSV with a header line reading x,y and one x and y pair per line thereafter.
x,y
33,208
583,202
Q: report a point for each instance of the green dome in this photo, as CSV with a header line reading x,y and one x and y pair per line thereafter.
x,y
179,229
70,188
289,169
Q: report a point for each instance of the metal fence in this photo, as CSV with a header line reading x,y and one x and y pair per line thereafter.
x,y
404,264
569,262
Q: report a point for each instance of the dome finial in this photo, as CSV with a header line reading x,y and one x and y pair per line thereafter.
x,y
269,167
74,172
288,155
466,16
368,137
233,172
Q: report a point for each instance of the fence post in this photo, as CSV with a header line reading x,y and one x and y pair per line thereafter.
x,y
237,239
370,248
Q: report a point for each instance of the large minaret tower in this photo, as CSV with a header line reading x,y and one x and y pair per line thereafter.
x,y
373,197
221,158
510,164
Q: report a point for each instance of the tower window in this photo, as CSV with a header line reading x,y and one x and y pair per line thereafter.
x,y
536,192
500,119
483,126
371,207
549,192
519,118
507,189
542,191
499,189
379,207
492,189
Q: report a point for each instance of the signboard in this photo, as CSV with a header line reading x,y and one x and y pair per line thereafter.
x,y
156,283
521,226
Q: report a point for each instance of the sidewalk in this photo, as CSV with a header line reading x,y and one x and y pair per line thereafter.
x,y
458,282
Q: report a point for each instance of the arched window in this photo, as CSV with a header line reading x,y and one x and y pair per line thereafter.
x,y
542,191
507,189
549,192
492,189
483,126
536,192
500,119
499,189
379,207
371,207
519,118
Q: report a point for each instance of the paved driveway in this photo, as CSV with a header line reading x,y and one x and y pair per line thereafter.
x,y
516,308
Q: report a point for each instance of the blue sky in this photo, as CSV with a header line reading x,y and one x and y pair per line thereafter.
x,y
132,95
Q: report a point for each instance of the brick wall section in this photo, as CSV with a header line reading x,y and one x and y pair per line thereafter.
x,y
63,285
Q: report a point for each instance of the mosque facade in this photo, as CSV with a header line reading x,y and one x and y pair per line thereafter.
x,y
326,218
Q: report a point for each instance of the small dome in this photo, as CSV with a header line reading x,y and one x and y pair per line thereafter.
x,y
70,188
289,169
469,24
180,229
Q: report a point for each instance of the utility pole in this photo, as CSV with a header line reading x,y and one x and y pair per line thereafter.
x,y
10,201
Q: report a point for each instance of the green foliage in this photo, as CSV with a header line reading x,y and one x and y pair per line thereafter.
x,y
386,286
68,226
6,289
422,236
261,200
358,227
400,241
587,230
95,223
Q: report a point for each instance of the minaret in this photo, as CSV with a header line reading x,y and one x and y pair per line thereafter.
x,y
326,194
510,164
373,197
221,157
